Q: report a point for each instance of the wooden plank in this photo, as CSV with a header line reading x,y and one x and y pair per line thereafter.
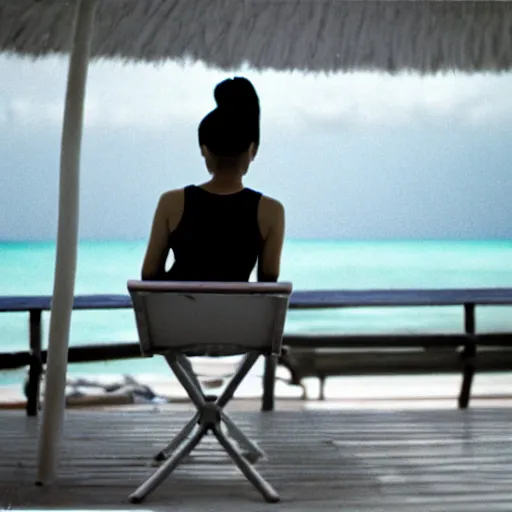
x,y
310,350
318,363
311,299
78,354
409,297
327,340
82,302
391,461
305,344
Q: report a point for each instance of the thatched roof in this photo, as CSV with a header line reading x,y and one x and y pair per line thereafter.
x,y
318,35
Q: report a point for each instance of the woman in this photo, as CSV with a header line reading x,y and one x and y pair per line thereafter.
x,y
220,229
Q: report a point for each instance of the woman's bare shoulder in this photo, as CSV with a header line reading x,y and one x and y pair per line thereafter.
x,y
172,199
270,215
171,204
173,195
271,205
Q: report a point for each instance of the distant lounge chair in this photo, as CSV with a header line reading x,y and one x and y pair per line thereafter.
x,y
178,319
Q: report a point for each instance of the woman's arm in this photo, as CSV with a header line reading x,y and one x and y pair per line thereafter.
x,y
269,262
158,246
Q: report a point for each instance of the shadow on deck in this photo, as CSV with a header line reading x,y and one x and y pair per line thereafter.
x,y
416,460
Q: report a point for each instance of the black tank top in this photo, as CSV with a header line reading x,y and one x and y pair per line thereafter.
x,y
217,238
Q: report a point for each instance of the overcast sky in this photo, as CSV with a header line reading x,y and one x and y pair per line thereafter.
x,y
357,156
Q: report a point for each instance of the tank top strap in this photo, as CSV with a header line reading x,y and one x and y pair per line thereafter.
x,y
253,195
190,191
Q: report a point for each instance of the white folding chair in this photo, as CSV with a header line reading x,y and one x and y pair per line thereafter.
x,y
180,319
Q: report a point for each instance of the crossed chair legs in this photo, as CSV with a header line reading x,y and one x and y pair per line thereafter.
x,y
208,418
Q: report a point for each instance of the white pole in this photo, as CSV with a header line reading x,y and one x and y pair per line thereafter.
x,y
67,239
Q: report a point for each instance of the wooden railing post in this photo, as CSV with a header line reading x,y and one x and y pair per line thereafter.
x,y
269,378
36,367
468,356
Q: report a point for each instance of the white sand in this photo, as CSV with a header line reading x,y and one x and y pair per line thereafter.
x,y
338,390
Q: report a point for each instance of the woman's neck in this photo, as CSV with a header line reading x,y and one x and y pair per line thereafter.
x,y
224,184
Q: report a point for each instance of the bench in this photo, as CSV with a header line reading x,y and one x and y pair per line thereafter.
x,y
326,355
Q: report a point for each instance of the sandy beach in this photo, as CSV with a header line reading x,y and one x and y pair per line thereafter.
x,y
402,391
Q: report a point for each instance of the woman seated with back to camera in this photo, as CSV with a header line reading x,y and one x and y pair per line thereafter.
x,y
220,229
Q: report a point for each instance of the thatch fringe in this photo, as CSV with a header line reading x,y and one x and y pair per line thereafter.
x,y
325,35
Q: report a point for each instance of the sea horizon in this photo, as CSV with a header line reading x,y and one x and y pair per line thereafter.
x,y
291,239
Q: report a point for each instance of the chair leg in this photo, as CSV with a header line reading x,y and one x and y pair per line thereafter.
x,y
186,378
186,366
267,491
168,467
251,450
178,438
243,369
209,415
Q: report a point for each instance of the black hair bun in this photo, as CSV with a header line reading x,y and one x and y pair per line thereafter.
x,y
234,125
237,93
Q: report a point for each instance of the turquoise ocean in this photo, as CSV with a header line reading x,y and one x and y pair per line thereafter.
x,y
104,267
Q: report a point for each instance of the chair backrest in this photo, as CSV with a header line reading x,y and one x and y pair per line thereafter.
x,y
209,318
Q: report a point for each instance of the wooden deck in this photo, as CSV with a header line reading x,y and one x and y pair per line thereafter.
x,y
414,460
